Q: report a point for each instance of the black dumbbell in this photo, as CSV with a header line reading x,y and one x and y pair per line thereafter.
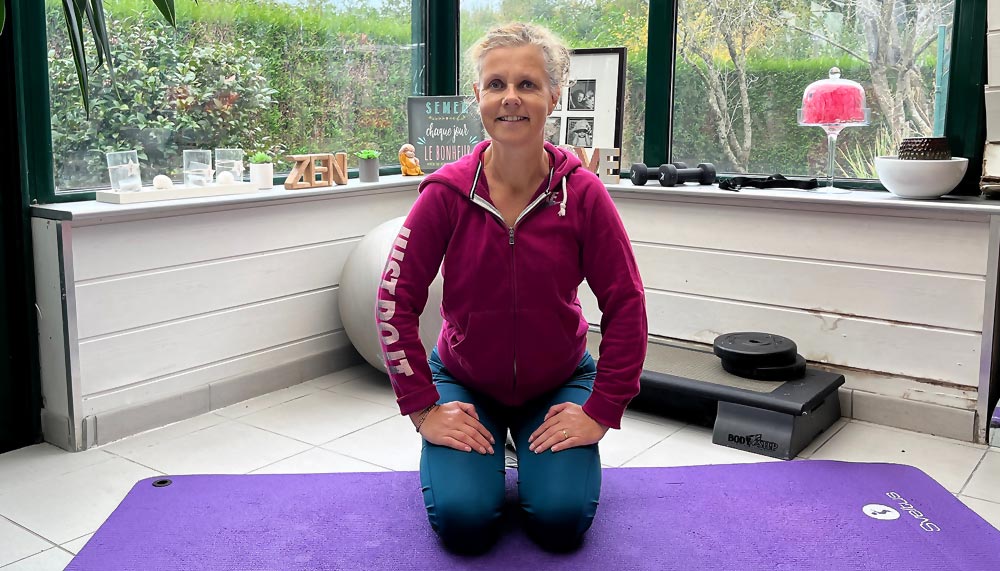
x,y
670,175
641,173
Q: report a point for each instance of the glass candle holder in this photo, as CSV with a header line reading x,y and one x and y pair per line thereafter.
x,y
197,168
123,169
229,160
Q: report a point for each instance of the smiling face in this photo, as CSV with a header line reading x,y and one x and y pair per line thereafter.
x,y
514,94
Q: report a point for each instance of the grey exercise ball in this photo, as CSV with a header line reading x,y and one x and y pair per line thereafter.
x,y
359,283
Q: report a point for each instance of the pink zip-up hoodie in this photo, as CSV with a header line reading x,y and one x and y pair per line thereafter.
x,y
513,328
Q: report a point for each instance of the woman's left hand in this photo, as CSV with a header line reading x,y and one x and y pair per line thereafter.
x,y
566,426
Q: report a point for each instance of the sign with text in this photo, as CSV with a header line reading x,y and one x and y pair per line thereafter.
x,y
442,129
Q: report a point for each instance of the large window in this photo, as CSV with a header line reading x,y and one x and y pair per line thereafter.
x,y
289,76
279,76
742,67
581,24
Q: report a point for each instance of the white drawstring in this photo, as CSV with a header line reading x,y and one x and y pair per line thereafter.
x,y
562,203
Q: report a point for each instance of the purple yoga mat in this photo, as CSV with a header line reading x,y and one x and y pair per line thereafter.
x,y
750,517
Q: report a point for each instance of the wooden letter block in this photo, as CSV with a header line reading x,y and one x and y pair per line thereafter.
x,y
330,168
605,163
340,168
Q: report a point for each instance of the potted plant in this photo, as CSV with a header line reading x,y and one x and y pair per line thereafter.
x,y
261,171
367,165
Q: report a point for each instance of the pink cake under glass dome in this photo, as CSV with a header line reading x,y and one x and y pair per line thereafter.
x,y
834,101
833,104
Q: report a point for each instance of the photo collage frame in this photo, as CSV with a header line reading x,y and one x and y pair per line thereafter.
x,y
589,111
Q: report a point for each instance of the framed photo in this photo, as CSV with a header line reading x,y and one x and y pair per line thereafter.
x,y
553,130
590,109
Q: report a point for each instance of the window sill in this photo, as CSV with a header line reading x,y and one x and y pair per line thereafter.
x,y
876,203
92,212
857,201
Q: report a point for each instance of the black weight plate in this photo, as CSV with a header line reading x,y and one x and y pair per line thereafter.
x,y
755,349
796,370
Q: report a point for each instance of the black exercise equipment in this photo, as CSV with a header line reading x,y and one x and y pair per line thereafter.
x,y
672,174
703,174
760,356
774,181
641,174
775,417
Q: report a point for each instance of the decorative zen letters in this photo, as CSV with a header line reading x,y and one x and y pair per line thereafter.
x,y
330,168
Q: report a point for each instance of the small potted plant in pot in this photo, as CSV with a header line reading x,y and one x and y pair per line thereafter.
x,y
367,165
261,171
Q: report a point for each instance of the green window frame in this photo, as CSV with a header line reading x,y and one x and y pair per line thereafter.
x,y
27,23
438,22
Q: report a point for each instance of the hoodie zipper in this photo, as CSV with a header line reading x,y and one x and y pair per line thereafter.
x,y
476,199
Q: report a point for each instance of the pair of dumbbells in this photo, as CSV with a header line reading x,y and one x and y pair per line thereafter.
x,y
673,173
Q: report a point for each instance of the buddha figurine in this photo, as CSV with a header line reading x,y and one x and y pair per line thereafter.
x,y
408,161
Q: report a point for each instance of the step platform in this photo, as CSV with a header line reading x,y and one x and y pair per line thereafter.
x,y
772,418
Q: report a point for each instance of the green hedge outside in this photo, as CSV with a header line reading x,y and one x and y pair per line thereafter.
x,y
266,76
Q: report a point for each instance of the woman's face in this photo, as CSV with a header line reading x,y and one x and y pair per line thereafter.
x,y
514,94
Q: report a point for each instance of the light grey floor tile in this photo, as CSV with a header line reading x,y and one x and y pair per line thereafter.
x,y
227,448
263,402
950,462
985,481
137,442
77,544
822,438
373,387
16,543
68,506
987,510
343,376
391,443
54,559
635,437
319,417
44,461
653,418
692,446
318,461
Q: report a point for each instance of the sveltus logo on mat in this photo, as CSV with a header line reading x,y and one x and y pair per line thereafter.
x,y
753,441
886,513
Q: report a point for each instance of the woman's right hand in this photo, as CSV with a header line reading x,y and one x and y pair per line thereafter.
x,y
456,425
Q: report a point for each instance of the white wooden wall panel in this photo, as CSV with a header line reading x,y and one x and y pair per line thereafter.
x,y
888,241
909,350
122,359
127,247
908,296
249,363
135,300
48,301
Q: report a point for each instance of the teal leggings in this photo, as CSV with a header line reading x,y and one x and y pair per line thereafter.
x,y
464,491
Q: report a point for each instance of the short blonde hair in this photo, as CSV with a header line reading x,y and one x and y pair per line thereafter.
x,y
519,34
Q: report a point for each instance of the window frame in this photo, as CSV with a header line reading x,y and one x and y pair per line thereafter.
x,y
966,132
440,29
35,122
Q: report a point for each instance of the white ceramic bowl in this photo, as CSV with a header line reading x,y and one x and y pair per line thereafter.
x,y
920,179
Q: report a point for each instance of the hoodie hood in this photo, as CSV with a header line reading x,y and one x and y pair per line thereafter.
x,y
463,176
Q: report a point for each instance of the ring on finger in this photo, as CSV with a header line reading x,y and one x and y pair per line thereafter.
x,y
565,434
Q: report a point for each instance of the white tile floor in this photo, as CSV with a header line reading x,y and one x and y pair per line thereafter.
x,y
51,501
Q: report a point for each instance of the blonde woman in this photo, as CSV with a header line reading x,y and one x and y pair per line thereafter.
x,y
519,225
